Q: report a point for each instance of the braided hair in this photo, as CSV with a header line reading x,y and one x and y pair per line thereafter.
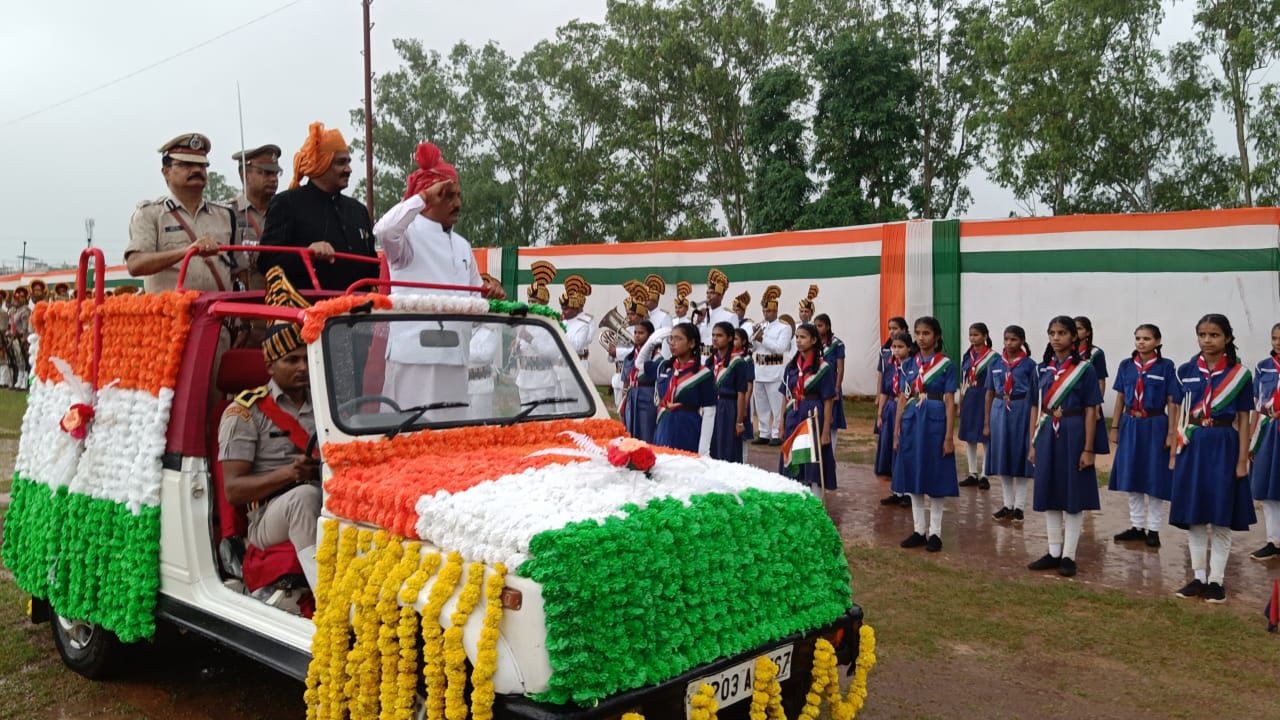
x,y
1233,355
1068,323
1087,324
982,328
1155,333
1018,332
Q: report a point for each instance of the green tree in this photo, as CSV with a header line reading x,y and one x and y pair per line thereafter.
x,y
865,133
774,136
1245,37
219,190
1266,137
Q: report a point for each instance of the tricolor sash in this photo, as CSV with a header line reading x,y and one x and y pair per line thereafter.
x,y
931,370
1065,379
1266,411
1216,399
722,369
805,384
1010,366
679,386
978,365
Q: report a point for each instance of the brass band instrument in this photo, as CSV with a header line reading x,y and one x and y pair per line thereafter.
x,y
608,338
758,335
614,322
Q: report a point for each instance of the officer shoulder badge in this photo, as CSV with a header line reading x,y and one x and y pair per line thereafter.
x,y
249,397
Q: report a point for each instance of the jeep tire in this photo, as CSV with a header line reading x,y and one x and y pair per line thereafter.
x,y
85,647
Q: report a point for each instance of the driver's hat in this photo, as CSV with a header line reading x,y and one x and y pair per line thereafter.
x,y
283,337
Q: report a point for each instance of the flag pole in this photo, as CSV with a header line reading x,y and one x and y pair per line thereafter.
x,y
814,433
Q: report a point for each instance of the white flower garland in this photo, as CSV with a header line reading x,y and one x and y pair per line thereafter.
x,y
495,521
408,301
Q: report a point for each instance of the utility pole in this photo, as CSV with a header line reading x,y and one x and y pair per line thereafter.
x,y
88,231
24,256
368,112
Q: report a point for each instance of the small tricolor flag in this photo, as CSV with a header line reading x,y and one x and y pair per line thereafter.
x,y
800,448
1272,610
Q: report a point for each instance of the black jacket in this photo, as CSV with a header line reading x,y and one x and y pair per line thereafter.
x,y
307,215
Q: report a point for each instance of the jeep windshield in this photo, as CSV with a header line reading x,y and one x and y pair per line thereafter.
x,y
388,375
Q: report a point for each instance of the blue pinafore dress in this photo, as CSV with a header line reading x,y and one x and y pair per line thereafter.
x,y
639,412
1141,457
1060,484
1264,477
1007,450
973,403
920,467
731,376
681,395
819,386
1206,490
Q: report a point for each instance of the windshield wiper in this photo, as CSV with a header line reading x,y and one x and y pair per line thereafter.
x,y
532,405
419,410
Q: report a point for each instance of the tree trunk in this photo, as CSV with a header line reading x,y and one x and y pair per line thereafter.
x,y
1243,143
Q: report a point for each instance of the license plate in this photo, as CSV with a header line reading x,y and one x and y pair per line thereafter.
x,y
735,683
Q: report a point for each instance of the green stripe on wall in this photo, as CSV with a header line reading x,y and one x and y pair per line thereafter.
x,y
1126,260
946,283
743,272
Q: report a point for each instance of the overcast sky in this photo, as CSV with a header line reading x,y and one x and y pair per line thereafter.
x,y
96,156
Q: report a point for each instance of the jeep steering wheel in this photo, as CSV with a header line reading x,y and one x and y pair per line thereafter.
x,y
359,399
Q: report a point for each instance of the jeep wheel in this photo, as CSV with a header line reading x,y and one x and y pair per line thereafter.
x,y
85,647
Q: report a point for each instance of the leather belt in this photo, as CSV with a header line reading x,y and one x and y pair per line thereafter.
x,y
583,354
1060,413
1146,413
929,396
480,373
1212,422
763,359
534,364
1014,396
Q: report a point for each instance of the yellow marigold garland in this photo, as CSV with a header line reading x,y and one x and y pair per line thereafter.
x,y
455,657
407,634
317,671
363,662
389,623
433,636
482,693
704,705
340,610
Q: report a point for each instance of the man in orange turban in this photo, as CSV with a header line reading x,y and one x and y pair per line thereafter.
x,y
317,216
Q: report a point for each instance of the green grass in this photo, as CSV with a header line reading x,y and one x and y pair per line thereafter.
x,y
12,405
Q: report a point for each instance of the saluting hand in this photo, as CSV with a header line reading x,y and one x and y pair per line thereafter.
x,y
206,245
433,195
322,251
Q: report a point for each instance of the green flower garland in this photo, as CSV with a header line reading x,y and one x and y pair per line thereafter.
x,y
91,559
635,601
510,307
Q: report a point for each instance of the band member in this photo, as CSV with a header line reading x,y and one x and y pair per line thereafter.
x,y
683,290
19,332
577,329
740,305
772,339
657,288
536,352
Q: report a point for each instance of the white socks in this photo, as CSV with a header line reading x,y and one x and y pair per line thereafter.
x,y
971,454
1063,540
1198,544
1146,512
307,558
927,519
1013,492
1271,518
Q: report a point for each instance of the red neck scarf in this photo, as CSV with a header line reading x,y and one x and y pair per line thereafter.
x,y
634,375
679,373
1207,374
1141,384
917,385
897,366
807,365
975,357
1010,364
1275,394
718,361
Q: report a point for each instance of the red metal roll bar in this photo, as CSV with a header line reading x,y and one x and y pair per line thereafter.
x,y
383,282
99,295
304,252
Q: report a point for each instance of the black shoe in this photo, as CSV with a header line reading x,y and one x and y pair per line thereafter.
x,y
1067,567
891,500
1265,553
969,481
1132,533
1018,516
1048,562
916,540
984,483
933,544
1153,539
904,501
1003,513
760,441
1192,589
775,443
1214,593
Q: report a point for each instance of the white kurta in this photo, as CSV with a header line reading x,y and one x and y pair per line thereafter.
x,y
421,250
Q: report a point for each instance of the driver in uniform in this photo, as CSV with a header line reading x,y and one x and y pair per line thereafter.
x,y
263,439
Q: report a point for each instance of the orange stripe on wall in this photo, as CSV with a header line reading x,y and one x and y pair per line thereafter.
x,y
839,236
893,274
1188,220
482,259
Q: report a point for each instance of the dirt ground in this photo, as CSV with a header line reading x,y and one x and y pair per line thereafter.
x,y
966,633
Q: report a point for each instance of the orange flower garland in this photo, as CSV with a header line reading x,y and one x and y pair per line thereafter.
x,y
316,315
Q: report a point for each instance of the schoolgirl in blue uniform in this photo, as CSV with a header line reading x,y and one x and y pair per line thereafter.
x,y
809,384
1211,463
925,466
973,402
731,376
639,413
1011,391
683,387
1062,443
1264,478
833,353
903,347
742,346
1089,351
1147,393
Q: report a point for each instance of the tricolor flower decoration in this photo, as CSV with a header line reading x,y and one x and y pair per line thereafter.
x,y
75,421
631,453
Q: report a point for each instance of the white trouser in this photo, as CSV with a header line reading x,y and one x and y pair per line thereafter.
x,y
1198,544
1271,518
767,402
1146,512
1013,492
1063,529
934,508
708,427
971,455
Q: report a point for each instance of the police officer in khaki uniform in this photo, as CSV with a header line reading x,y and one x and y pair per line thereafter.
x,y
162,230
263,441
259,170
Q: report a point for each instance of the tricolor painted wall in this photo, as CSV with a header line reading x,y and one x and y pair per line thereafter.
x,y
1121,270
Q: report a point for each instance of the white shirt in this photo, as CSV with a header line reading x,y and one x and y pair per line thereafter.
x,y
483,351
660,319
578,330
421,250
775,340
720,314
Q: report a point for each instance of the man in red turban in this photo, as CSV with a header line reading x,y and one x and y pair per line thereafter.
x,y
316,215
